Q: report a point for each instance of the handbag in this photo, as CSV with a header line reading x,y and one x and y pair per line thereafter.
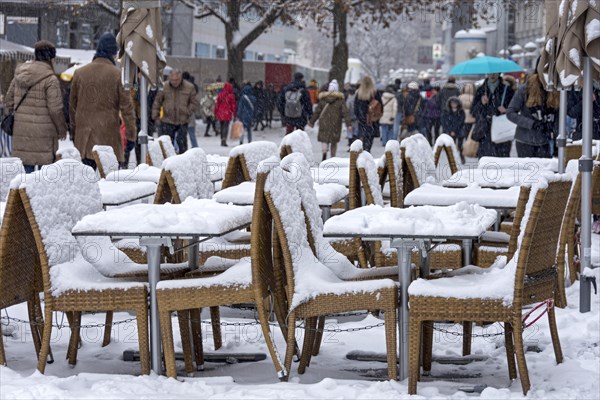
x,y
503,130
8,122
470,147
236,130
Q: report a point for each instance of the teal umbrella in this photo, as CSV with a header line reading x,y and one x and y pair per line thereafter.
x,y
485,65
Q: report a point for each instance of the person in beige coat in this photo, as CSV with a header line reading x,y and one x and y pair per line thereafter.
x,y
97,97
390,109
331,111
39,120
466,99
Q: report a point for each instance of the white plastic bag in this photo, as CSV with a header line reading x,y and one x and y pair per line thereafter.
x,y
503,130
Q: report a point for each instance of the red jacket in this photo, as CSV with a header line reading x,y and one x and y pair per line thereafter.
x,y
225,106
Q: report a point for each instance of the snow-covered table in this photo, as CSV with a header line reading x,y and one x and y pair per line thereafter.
x,y
549,164
141,173
340,162
493,177
331,174
409,228
118,193
156,225
328,194
217,165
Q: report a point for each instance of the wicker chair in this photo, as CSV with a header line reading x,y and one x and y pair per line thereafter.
x,y
106,160
20,279
312,289
243,161
70,283
417,162
296,142
166,146
391,172
445,144
249,281
155,156
9,168
529,278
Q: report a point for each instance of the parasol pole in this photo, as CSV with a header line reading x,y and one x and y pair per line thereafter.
x,y
586,166
143,134
561,141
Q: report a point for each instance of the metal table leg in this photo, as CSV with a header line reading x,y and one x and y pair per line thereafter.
x,y
498,220
326,212
467,251
193,254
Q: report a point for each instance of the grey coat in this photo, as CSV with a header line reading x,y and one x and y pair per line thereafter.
x,y
521,115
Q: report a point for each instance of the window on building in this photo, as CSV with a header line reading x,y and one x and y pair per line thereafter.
x,y
425,30
219,51
260,57
424,55
202,50
248,55
271,57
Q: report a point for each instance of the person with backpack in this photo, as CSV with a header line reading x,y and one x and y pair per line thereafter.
x,y
368,109
294,105
390,110
412,108
225,110
246,110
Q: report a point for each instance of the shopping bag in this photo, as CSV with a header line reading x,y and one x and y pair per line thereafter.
x,y
470,146
503,130
236,130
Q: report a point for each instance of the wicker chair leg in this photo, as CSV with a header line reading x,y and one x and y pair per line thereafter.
x,y
35,330
263,317
75,337
560,295
307,346
195,316
107,328
70,318
391,343
510,351
427,346
520,351
167,340
319,336
291,344
45,349
467,337
215,317
2,354
39,331
141,316
554,334
183,317
414,353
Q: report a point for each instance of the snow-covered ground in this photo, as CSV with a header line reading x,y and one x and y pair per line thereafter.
x,y
102,373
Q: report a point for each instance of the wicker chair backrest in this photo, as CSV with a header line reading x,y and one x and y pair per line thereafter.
x,y
106,160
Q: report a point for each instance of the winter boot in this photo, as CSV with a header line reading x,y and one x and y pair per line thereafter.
x,y
324,156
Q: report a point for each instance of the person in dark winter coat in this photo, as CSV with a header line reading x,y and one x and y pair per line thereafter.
x,y
413,104
246,110
331,111
491,99
450,89
431,116
294,105
453,121
399,107
261,104
366,92
192,122
535,112
270,103
225,110
575,111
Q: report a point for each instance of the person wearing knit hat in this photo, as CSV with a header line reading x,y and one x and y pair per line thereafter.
x,y
35,97
412,108
413,86
294,104
97,98
331,111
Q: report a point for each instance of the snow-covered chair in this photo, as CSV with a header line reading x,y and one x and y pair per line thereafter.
x,y
297,142
108,167
72,284
244,160
498,293
155,156
390,174
446,156
314,290
68,153
106,160
249,281
166,146
10,167
418,164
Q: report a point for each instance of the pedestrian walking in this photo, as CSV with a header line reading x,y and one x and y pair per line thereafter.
x,y
431,115
270,103
491,99
466,99
192,121
246,110
97,98
261,104
294,104
453,121
350,99
368,109
450,89
535,111
179,103
575,111
390,110
331,111
225,111
400,96
412,108
35,97
208,109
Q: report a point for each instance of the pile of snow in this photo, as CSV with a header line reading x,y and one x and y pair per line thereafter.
x,y
141,173
254,153
242,194
311,277
9,168
331,174
299,142
70,153
190,174
531,164
107,157
434,195
418,149
365,162
339,162
494,177
122,192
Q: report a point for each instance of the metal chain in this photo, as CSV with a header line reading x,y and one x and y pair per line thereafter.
x,y
482,335
61,325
